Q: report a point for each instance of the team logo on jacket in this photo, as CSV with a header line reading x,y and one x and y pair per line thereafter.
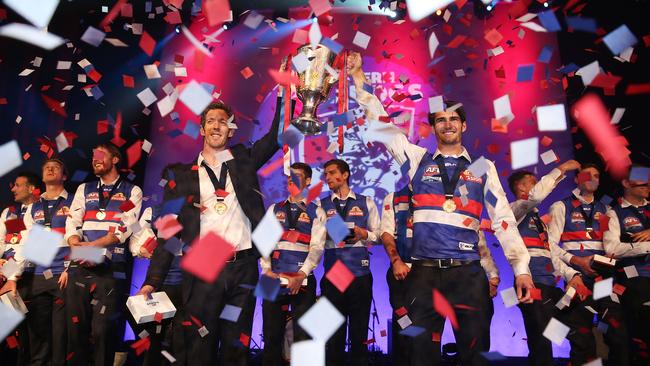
x,y
39,215
577,217
118,197
331,212
465,246
92,196
631,221
466,175
304,218
280,215
355,211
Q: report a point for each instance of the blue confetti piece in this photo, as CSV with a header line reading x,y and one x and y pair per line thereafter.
x,y
582,24
549,21
176,118
230,313
97,93
192,129
342,119
332,45
525,73
567,69
367,87
208,87
291,136
172,207
412,331
395,114
620,39
174,246
491,198
174,133
415,97
336,228
267,288
545,55
640,173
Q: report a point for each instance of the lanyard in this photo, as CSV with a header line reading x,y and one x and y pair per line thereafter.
x,y
104,200
589,220
292,220
47,213
450,184
220,183
541,228
343,211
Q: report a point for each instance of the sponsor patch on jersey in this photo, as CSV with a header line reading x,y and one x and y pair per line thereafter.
x,y
63,211
39,215
280,215
531,224
355,211
304,218
431,170
465,246
631,221
577,217
119,196
92,196
331,212
365,263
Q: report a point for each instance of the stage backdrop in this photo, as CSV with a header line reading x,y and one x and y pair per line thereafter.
x,y
398,65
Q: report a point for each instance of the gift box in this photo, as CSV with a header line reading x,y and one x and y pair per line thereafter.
x,y
15,302
145,310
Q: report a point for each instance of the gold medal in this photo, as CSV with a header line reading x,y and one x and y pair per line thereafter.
x,y
449,205
100,215
14,239
589,234
220,208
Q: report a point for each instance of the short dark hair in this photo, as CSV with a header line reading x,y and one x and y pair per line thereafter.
x,y
216,105
448,104
32,178
58,161
304,167
584,166
341,165
114,150
515,177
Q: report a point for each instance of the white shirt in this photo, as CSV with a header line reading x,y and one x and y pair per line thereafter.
x,y
401,150
373,222
18,247
316,243
75,225
612,237
138,238
521,208
233,226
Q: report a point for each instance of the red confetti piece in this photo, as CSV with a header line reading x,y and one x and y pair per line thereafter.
x,y
442,307
147,43
340,276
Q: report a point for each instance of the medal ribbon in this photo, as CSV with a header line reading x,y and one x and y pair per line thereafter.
x,y
220,183
450,184
103,201
47,213
589,220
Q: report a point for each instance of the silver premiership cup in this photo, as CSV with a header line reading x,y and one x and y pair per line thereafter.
x,y
314,88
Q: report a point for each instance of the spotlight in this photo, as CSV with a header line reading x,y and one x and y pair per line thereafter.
x,y
314,20
545,4
489,7
439,12
177,29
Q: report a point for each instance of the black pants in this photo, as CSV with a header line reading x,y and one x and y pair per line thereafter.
x,y
536,317
24,289
637,293
275,316
354,305
465,285
46,320
96,318
171,335
581,338
234,286
397,291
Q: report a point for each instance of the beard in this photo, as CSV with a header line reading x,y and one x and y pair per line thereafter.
x,y
101,170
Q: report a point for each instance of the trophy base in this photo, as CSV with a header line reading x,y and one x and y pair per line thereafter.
x,y
308,126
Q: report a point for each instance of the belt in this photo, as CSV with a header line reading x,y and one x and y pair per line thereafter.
x,y
441,263
239,255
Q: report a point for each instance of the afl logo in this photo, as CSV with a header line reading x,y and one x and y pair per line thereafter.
x,y
331,212
304,218
631,221
577,217
431,170
468,176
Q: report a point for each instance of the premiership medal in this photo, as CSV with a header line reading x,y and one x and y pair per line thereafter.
x,y
14,239
449,205
100,215
220,207
588,233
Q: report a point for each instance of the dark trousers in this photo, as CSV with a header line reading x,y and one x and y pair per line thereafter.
x,y
234,286
171,335
46,320
397,296
581,338
465,285
96,318
275,314
536,317
637,293
24,288
354,305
